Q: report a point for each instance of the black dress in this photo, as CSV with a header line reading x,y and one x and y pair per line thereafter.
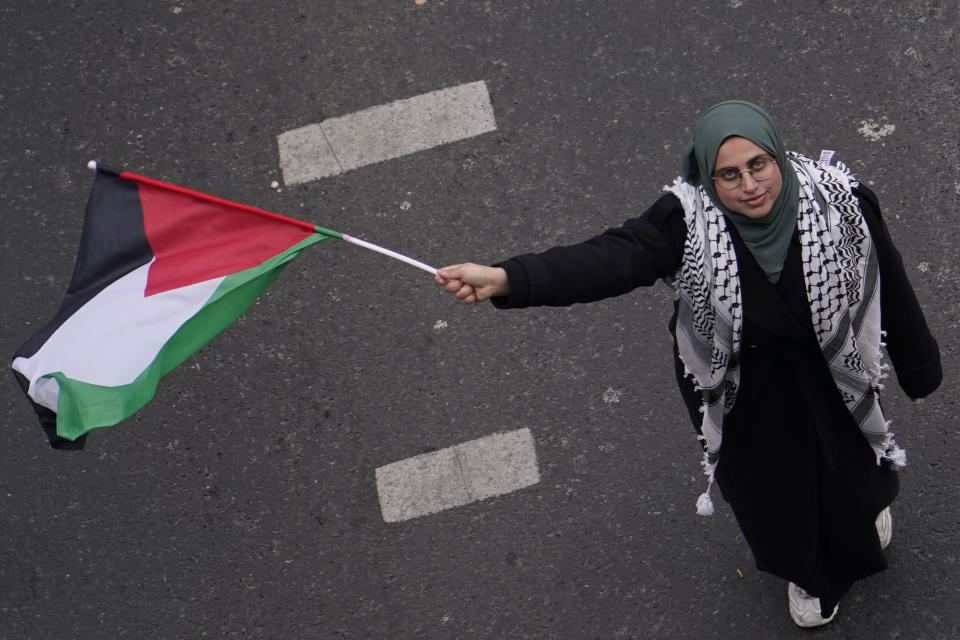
x,y
802,481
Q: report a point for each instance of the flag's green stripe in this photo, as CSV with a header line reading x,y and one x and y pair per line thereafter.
x,y
83,406
328,232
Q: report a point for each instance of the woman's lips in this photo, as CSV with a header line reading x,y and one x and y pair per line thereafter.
x,y
755,202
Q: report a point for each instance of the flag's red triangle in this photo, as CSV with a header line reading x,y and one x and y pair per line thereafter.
x,y
196,237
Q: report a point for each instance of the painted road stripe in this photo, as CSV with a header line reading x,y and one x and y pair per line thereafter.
x,y
385,132
457,475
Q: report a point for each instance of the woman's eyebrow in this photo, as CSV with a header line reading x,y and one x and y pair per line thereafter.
x,y
756,157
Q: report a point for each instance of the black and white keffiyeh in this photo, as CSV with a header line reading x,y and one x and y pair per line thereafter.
x,y
843,289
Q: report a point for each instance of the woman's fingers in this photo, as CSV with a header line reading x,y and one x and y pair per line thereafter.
x,y
464,292
471,282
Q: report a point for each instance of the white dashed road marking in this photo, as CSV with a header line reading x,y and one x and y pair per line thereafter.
x,y
458,475
385,132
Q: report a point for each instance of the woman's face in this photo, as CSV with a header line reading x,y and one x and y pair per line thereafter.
x,y
752,198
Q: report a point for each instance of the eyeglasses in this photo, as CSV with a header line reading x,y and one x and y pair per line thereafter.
x,y
760,169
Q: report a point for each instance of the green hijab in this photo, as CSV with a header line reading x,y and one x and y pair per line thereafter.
x,y
767,237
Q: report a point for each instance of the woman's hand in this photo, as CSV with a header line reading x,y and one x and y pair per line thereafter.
x,y
471,282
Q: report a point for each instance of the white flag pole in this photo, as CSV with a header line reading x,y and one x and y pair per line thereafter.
x,y
388,252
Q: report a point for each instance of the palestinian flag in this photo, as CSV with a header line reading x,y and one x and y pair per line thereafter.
x,y
160,271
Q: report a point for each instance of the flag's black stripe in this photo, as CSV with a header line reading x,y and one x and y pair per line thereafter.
x,y
113,244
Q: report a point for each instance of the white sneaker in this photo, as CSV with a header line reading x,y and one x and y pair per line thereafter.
x,y
884,528
805,609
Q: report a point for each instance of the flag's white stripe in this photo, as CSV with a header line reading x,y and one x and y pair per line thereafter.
x,y
457,475
115,336
385,132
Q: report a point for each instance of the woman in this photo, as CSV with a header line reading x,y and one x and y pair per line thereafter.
x,y
784,274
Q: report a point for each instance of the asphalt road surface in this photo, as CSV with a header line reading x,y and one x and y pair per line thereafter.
x,y
243,502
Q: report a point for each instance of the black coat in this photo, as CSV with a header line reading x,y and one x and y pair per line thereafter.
x,y
800,477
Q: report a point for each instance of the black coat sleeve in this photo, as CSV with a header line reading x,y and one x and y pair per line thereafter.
x,y
638,253
910,344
